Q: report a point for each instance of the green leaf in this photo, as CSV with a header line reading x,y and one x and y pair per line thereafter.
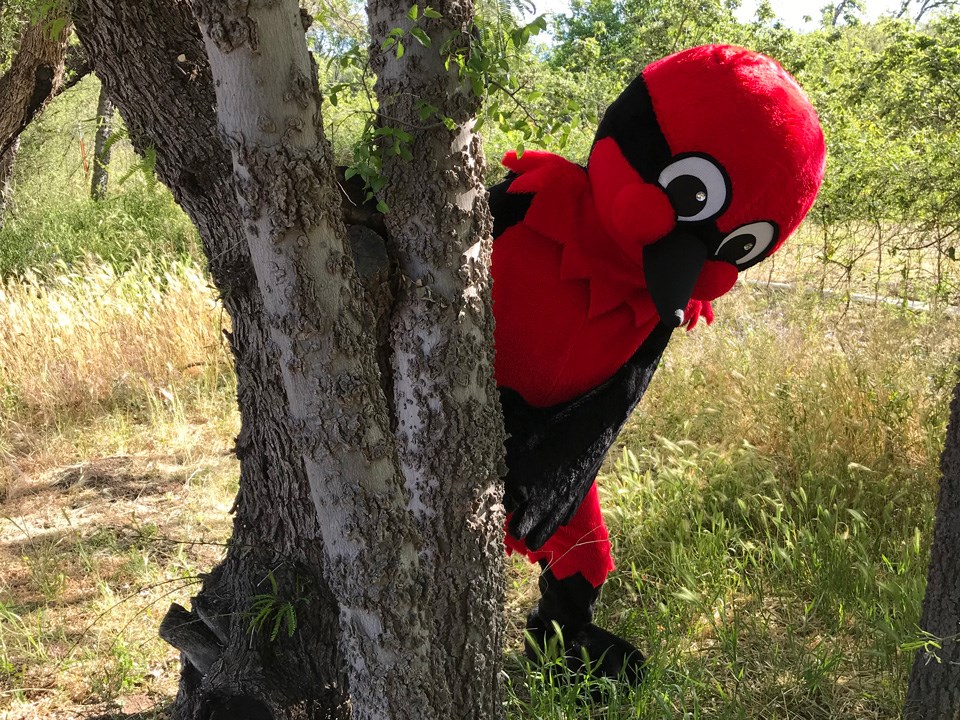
x,y
277,620
421,36
413,12
431,13
56,27
399,49
426,110
382,207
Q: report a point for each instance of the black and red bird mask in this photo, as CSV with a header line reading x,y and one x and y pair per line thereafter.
x,y
701,168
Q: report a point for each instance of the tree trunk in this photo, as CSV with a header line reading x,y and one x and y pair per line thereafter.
x,y
934,692
322,505
442,332
101,148
7,161
35,74
150,56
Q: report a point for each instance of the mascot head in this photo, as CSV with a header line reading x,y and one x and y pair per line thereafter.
x,y
702,168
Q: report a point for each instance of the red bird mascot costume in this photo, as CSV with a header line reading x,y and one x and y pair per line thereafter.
x,y
700,169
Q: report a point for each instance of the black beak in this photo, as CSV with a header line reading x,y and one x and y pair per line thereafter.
x,y
672,265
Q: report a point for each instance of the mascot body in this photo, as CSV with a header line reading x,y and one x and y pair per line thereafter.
x,y
701,168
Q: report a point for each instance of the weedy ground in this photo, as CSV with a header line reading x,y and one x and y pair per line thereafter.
x,y
771,502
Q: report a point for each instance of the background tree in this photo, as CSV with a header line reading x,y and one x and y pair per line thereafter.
x,y
35,72
934,692
100,175
919,9
340,538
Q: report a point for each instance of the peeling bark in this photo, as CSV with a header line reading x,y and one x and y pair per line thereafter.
x,y
152,62
934,692
319,323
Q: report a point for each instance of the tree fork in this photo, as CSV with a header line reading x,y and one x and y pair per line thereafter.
x,y
150,55
318,322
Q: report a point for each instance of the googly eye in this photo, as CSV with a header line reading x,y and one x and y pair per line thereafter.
x,y
697,188
747,244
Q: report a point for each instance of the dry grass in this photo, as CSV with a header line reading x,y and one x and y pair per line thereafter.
x,y
91,337
117,417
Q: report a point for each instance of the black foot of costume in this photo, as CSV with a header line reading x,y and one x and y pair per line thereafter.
x,y
569,603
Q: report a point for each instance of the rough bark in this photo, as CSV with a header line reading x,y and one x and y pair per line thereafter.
x,y
318,320
101,147
317,495
35,74
150,57
934,692
7,161
442,335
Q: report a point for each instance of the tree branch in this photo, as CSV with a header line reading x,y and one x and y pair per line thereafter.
x,y
34,76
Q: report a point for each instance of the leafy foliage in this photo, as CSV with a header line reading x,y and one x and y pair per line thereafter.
x,y
268,611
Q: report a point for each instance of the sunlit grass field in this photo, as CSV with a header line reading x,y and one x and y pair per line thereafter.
x,y
771,501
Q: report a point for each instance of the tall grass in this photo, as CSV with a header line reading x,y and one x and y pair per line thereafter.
x,y
117,410
52,222
771,509
94,338
95,361
770,503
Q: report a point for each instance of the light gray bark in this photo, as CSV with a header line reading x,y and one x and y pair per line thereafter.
x,y
150,57
934,692
289,202
101,147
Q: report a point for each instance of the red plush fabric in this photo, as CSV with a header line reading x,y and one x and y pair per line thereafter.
x,y
716,279
747,112
697,309
634,212
582,546
571,306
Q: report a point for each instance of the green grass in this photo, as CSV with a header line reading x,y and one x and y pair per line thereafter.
x,y
771,508
53,223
